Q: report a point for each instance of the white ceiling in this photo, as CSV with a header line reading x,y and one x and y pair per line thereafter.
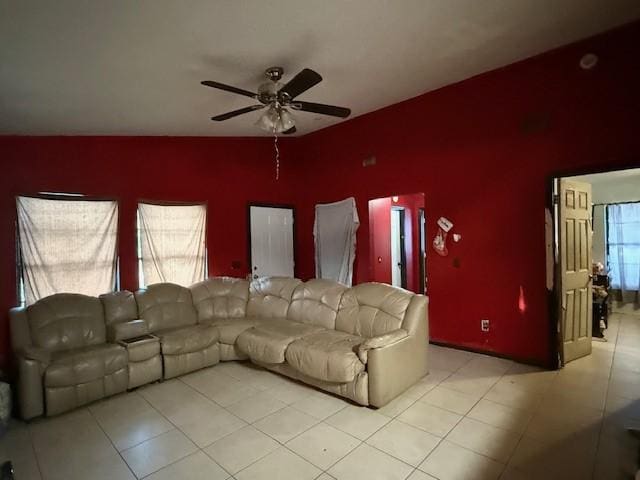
x,y
123,67
613,187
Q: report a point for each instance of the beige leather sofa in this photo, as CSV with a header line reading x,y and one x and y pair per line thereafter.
x,y
62,354
367,343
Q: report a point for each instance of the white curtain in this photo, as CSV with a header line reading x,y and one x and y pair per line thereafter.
x,y
67,246
623,241
335,240
172,243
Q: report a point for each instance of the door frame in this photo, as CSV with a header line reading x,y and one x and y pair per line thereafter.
x,y
422,250
402,218
284,206
553,295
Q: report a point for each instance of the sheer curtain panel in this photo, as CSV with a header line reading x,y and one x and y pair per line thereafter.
x,y
623,243
335,240
67,246
172,243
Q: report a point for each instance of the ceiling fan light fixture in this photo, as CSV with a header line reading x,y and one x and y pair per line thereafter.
x,y
286,121
276,120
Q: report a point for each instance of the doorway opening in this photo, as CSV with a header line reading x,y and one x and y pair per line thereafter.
x,y
596,253
397,242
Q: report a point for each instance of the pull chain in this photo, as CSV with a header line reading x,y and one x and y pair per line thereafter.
x,y
275,146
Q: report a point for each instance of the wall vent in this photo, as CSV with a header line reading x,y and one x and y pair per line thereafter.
x,y
369,162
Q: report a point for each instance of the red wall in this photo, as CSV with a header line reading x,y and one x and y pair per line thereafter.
x,y
227,173
483,151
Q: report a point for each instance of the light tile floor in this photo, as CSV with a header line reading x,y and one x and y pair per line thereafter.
x,y
473,418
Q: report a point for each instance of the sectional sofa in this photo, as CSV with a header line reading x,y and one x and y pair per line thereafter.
x,y
367,343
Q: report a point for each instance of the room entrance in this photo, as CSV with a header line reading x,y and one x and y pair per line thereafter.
x,y
397,241
596,253
271,241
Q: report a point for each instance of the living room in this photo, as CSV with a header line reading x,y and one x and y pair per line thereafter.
x,y
474,109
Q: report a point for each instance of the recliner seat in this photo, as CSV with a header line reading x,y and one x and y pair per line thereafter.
x,y
170,315
64,360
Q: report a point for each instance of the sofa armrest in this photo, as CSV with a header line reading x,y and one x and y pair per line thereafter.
x,y
127,330
30,388
380,341
395,367
37,354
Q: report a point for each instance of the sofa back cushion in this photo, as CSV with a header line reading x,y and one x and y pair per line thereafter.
x,y
220,297
270,296
316,302
119,307
66,320
166,305
372,309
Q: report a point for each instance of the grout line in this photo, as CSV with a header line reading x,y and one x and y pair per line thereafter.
x,y
111,441
176,427
606,397
35,453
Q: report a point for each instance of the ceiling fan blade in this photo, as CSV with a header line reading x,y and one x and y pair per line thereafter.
x,y
229,88
290,131
235,113
332,110
302,82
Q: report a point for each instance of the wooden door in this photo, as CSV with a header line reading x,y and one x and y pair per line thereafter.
x,y
575,269
271,241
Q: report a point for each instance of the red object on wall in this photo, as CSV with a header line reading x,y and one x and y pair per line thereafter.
x,y
475,152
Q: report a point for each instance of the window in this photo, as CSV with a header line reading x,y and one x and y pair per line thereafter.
x,y
623,245
171,244
66,245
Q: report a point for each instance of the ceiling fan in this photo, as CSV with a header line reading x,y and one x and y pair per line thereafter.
x,y
278,99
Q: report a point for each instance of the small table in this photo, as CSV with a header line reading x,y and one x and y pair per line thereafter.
x,y
145,362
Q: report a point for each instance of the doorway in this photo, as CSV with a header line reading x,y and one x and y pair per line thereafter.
x,y
271,241
397,241
398,250
596,247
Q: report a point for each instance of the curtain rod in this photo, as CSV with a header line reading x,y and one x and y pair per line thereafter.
x,y
615,203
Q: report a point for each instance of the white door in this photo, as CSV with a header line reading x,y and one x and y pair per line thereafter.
x,y
271,241
575,269
396,248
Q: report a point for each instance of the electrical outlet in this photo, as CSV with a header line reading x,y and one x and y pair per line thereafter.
x,y
484,325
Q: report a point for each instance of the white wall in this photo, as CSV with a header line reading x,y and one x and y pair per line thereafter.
x,y
613,187
599,245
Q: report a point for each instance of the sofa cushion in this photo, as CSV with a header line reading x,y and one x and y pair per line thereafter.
x,y
66,321
372,309
329,355
270,296
220,298
269,339
230,328
86,364
119,306
316,302
166,305
176,341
